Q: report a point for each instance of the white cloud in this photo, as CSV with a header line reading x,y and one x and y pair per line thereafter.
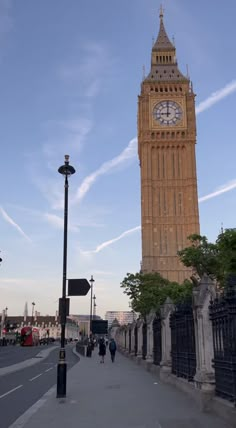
x,y
13,223
222,189
217,96
65,135
128,153
89,74
58,222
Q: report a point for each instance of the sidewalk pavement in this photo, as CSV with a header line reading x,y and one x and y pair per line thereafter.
x,y
27,363
115,395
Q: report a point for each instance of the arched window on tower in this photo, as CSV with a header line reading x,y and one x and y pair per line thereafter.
x,y
180,203
173,164
174,203
163,164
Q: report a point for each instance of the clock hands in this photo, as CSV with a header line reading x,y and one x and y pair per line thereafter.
x,y
167,112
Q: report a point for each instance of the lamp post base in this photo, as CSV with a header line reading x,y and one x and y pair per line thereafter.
x,y
61,374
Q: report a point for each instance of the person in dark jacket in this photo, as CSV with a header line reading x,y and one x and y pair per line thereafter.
x,y
112,349
102,349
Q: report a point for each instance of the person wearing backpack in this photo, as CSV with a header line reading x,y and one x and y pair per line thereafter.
x,y
112,349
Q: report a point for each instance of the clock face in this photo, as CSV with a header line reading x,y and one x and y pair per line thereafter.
x,y
167,113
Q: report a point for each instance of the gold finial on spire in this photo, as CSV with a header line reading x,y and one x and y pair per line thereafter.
x,y
161,14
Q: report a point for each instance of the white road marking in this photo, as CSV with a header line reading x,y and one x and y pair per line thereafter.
x,y
155,383
48,370
9,392
23,419
35,377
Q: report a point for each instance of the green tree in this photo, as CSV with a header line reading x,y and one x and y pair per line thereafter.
x,y
226,257
149,291
201,256
217,260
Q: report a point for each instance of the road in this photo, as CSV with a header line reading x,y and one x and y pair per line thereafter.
x,y
20,390
15,354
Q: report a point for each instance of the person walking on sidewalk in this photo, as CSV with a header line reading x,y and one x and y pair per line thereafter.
x,y
102,349
112,349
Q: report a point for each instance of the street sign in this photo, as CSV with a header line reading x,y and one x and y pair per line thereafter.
x,y
78,287
99,327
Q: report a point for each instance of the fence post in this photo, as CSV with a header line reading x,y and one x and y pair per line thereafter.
x,y
150,319
166,360
133,325
140,337
205,374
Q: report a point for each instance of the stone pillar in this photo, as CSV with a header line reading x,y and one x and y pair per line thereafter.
x,y
205,374
132,337
150,319
122,337
166,361
140,337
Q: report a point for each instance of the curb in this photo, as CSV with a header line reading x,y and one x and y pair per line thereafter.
x,y
25,417
76,353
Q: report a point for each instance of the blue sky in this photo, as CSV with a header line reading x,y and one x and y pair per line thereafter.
x,y
70,74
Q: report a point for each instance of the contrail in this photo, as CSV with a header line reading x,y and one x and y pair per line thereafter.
x,y
217,96
10,221
222,189
128,153
111,241
131,150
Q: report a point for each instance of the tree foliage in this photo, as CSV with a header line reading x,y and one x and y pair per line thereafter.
x,y
149,291
216,260
201,256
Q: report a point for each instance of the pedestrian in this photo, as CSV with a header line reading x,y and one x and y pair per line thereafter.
x,y
89,348
102,349
112,349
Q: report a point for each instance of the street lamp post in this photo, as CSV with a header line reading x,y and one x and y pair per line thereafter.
x,y
32,318
91,303
65,170
94,306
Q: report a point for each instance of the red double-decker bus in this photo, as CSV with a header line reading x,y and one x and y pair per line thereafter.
x,y
29,336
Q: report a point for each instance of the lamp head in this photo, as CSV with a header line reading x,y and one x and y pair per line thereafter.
x,y
66,169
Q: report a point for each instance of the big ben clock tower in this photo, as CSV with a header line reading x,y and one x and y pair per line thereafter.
x,y
166,145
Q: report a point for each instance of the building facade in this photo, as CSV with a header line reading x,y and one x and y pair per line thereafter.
x,y
84,322
49,326
166,146
123,317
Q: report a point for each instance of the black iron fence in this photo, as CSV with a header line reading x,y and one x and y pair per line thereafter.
x,y
223,317
144,347
157,349
183,350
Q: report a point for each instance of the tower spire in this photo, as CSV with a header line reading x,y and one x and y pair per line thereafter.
x,y
164,65
161,14
163,41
